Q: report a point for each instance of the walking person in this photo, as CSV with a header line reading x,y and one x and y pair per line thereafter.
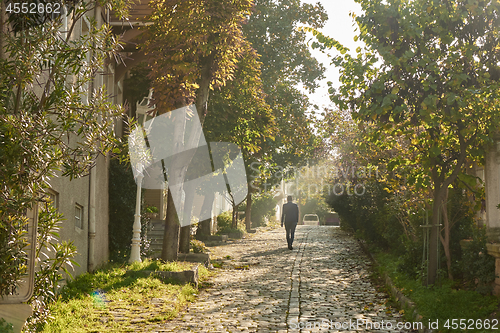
x,y
290,217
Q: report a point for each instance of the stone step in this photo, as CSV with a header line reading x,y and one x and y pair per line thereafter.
x,y
189,276
155,234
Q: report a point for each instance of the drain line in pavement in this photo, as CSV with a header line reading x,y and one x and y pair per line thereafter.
x,y
293,314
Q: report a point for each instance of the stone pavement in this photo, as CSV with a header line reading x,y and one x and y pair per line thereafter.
x,y
322,285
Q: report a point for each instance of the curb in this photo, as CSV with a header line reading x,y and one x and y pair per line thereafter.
x,y
404,302
188,276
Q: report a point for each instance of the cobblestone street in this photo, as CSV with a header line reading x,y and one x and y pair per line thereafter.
x,y
322,285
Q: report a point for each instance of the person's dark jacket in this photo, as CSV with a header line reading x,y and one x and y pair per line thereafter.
x,y
290,214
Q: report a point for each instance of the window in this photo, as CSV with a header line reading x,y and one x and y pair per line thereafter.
x,y
53,197
79,216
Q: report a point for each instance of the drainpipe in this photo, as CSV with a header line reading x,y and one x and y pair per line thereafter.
x,y
92,184
91,219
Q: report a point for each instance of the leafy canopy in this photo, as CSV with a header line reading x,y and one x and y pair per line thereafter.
x,y
431,79
191,40
287,63
429,75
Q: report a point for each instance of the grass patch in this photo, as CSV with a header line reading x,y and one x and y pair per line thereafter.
x,y
217,263
120,299
438,302
158,265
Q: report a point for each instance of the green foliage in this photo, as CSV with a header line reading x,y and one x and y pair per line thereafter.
x,y
6,327
224,226
136,85
283,49
159,265
263,207
437,302
248,120
224,221
411,263
417,80
478,266
122,192
12,254
184,65
49,124
324,42
89,300
53,259
462,212
368,215
286,63
198,246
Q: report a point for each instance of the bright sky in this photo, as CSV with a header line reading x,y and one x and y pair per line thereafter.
x,y
339,26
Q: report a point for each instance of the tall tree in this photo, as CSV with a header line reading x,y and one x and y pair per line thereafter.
x,y
287,64
49,123
193,47
431,79
240,114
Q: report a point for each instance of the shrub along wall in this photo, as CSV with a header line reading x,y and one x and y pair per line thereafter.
x,y
373,217
122,192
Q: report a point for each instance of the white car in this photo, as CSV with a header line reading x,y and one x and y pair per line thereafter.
x,y
310,219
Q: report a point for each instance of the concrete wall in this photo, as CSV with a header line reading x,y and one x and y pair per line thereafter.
x,y
155,198
101,246
76,192
90,193
492,190
69,194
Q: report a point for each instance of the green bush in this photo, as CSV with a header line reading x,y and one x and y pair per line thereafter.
x,y
236,233
440,302
197,246
377,216
369,215
224,225
53,259
224,221
6,327
263,207
122,192
411,258
478,266
12,250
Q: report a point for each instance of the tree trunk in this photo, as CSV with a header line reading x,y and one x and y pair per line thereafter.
x,y
179,167
204,86
433,243
171,233
441,184
203,230
185,233
184,239
204,226
248,211
446,239
234,222
439,193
